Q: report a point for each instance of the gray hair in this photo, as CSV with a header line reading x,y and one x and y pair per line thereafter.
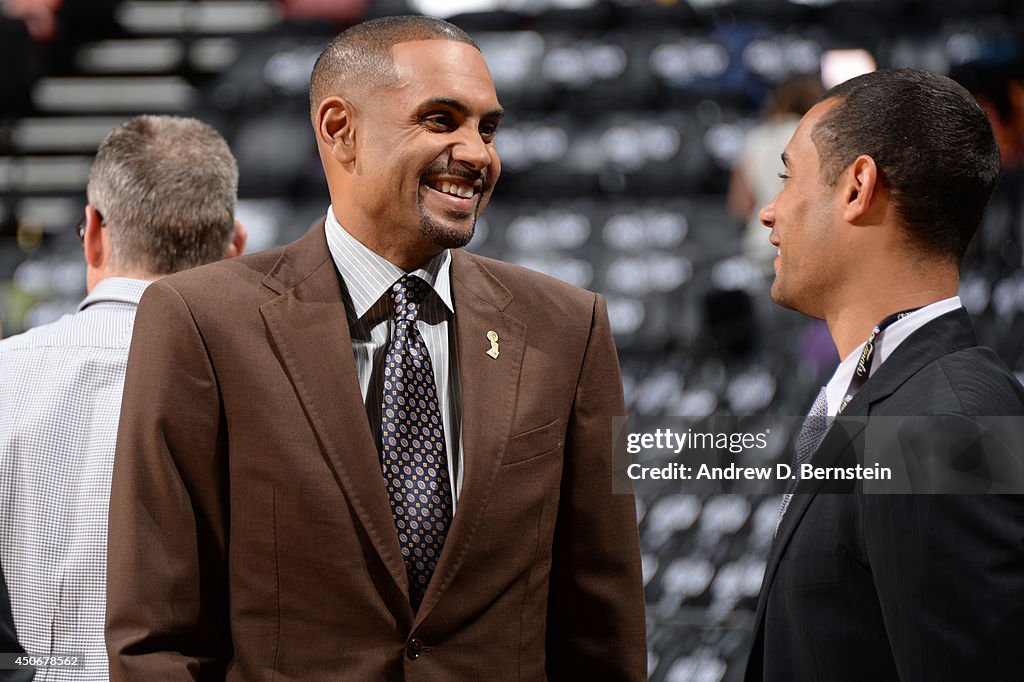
x,y
166,187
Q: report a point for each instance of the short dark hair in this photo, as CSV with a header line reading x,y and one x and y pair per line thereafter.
x,y
166,187
359,60
932,143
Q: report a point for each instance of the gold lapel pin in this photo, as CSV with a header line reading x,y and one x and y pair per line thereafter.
x,y
492,336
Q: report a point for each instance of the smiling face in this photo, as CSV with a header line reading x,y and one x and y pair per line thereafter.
x,y
425,161
801,217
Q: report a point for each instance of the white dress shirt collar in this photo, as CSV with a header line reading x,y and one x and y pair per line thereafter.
x,y
368,276
888,341
115,290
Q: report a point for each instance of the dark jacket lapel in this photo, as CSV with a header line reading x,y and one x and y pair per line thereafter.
x,y
945,334
309,328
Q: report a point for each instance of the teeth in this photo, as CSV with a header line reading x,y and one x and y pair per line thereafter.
x,y
455,189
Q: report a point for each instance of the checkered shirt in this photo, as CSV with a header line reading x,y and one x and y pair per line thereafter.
x,y
60,398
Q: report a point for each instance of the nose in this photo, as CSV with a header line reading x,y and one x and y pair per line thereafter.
x,y
767,214
471,151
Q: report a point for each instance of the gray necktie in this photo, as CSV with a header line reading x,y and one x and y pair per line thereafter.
x,y
814,427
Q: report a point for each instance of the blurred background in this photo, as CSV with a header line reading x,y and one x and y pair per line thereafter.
x,y
641,139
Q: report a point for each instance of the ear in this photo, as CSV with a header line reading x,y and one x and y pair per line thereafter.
x,y
237,245
96,252
861,187
335,129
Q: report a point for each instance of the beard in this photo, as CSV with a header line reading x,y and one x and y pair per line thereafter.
x,y
448,235
453,233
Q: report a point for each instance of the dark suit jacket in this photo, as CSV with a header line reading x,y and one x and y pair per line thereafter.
x,y
901,587
9,637
250,532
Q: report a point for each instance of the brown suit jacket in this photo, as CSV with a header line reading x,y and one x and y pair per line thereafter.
x,y
250,534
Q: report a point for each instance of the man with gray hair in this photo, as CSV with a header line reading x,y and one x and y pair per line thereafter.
x,y
161,198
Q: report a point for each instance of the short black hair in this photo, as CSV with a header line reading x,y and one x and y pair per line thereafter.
x,y
359,60
932,143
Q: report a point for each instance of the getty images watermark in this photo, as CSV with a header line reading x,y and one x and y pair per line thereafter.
x,y
734,443
947,454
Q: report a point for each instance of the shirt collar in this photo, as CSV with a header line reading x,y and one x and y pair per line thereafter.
x,y
115,290
888,341
368,276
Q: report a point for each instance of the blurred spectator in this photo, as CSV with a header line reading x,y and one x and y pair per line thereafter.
x,y
23,24
39,16
340,11
999,89
755,177
33,33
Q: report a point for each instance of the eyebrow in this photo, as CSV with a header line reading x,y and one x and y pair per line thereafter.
x,y
460,107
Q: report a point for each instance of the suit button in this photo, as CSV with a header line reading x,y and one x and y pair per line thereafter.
x,y
414,649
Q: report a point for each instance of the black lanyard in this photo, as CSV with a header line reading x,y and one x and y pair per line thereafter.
x,y
863,369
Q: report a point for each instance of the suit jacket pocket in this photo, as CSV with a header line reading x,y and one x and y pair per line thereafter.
x,y
528,445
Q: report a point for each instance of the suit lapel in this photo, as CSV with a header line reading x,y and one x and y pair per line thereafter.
x,y
489,390
841,434
309,328
945,334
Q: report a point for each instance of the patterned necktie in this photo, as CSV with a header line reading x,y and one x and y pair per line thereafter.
x,y
811,432
413,456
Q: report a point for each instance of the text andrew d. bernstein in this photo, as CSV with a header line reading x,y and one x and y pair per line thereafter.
x,y
732,472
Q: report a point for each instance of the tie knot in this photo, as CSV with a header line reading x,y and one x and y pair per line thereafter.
x,y
406,296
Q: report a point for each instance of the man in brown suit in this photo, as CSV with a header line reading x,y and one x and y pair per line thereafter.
x,y
368,455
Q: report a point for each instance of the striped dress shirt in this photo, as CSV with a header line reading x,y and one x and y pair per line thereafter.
x,y
367,277
60,399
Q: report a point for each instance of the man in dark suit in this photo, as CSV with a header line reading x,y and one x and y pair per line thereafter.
x,y
886,181
369,455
